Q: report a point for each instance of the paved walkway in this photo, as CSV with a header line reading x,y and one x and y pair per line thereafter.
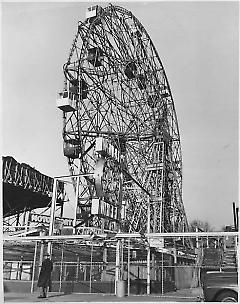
x,y
185,295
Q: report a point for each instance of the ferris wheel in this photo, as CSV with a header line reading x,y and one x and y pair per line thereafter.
x,y
120,127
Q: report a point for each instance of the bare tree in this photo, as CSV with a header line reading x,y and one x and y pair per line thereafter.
x,y
201,225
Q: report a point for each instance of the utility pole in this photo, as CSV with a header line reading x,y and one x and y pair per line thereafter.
x,y
234,216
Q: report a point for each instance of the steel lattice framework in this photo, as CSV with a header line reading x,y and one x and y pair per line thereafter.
x,y
25,188
121,93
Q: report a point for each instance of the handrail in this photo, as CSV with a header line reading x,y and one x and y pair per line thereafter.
x,y
105,236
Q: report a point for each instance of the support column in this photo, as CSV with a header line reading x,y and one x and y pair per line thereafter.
x,y
18,217
153,266
197,241
148,252
27,221
162,276
148,270
161,216
129,256
24,216
42,233
53,207
122,260
76,205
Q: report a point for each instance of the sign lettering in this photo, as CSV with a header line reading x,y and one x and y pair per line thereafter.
x,y
45,219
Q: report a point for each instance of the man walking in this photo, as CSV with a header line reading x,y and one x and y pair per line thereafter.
x,y
44,280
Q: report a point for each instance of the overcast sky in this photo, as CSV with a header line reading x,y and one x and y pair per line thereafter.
x,y
198,46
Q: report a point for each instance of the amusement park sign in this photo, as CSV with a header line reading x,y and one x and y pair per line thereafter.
x,y
45,219
63,224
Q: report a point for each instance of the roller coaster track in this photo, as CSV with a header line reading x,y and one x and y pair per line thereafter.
x,y
25,188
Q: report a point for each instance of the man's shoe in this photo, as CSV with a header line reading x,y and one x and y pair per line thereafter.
x,y
41,297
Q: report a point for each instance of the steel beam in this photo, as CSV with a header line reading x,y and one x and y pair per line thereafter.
x,y
121,235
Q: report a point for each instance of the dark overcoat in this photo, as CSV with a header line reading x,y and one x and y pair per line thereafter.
x,y
44,279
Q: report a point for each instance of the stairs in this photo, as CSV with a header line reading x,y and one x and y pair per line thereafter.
x,y
229,260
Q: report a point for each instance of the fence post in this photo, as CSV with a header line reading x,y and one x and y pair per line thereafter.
x,y
61,269
42,233
34,266
162,274
77,272
153,267
105,252
117,265
129,267
90,274
148,252
122,260
148,270
85,273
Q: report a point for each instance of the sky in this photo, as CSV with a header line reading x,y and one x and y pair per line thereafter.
x,y
198,45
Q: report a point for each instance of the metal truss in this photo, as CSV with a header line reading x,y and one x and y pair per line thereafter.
x,y
120,89
25,188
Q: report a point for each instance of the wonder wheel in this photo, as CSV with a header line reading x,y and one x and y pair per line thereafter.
x,y
120,127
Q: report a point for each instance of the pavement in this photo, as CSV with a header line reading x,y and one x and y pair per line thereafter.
x,y
184,295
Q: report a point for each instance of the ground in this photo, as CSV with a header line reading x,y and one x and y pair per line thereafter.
x,y
185,295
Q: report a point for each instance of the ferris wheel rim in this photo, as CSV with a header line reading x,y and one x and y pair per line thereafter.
x,y
105,12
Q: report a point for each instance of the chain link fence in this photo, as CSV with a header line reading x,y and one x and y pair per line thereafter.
x,y
90,266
